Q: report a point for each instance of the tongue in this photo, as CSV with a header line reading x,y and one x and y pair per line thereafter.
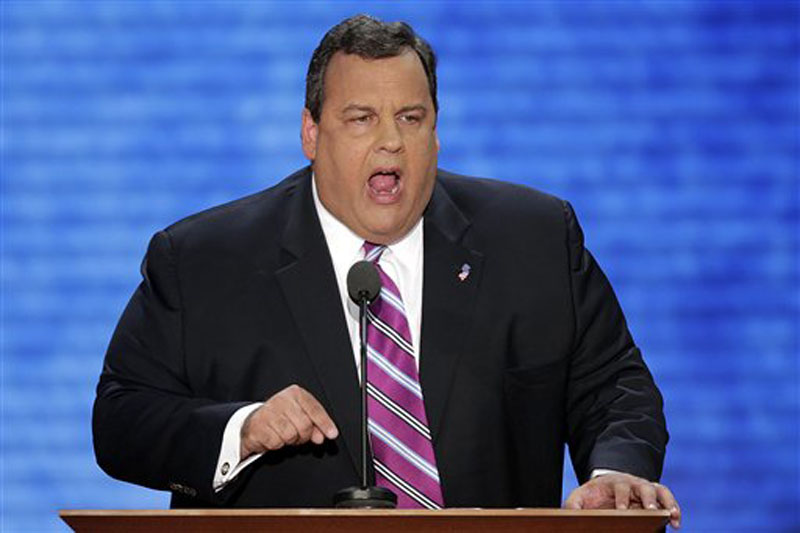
x,y
382,183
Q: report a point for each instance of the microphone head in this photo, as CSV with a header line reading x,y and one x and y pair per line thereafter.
x,y
363,282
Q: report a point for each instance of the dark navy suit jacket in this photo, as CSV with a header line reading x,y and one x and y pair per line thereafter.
x,y
529,352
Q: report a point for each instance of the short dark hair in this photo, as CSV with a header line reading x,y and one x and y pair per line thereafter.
x,y
369,38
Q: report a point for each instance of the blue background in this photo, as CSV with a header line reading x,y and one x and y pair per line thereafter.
x,y
671,126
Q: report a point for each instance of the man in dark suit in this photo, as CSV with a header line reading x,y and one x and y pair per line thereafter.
x,y
231,377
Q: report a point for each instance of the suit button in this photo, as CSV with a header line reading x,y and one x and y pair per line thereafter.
x,y
225,468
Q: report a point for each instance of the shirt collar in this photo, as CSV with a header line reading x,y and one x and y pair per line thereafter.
x,y
342,241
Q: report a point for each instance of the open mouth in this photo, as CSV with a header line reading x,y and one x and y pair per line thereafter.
x,y
384,184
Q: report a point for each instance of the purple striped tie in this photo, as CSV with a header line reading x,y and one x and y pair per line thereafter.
x,y
401,441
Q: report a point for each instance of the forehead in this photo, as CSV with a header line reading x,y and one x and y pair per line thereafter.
x,y
350,78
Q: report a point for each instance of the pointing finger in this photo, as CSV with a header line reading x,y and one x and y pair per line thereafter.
x,y
319,417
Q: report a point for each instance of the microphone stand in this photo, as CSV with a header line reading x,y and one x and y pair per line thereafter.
x,y
367,496
362,330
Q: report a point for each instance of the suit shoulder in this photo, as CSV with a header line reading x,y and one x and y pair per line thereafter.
x,y
483,196
226,221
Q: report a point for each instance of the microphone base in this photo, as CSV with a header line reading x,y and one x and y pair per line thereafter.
x,y
365,498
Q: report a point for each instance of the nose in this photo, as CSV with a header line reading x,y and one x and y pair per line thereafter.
x,y
390,138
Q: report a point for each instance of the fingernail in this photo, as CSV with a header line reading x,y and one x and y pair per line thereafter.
x,y
652,506
622,506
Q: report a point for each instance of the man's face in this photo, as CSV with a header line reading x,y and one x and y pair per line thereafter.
x,y
375,146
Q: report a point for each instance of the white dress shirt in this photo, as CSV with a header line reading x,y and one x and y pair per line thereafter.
x,y
402,261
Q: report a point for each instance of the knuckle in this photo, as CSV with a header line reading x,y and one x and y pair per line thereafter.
x,y
271,404
286,431
274,442
305,429
278,424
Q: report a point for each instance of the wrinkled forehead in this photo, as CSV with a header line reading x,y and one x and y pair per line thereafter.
x,y
353,80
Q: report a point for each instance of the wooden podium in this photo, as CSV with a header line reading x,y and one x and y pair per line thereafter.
x,y
349,521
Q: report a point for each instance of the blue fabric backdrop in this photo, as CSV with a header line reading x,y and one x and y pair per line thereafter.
x,y
671,126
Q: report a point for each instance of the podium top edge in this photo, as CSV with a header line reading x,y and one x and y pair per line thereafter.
x,y
460,512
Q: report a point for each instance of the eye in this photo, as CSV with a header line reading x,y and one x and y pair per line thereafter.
x,y
411,118
361,119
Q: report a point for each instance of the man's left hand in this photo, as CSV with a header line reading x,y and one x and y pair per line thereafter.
x,y
624,491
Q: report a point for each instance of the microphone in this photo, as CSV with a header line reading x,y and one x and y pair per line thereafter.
x,y
363,286
363,282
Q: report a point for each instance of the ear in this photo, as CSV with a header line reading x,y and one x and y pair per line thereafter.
x,y
308,135
438,146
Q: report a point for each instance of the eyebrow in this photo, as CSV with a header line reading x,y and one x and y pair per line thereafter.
x,y
416,107
369,109
357,107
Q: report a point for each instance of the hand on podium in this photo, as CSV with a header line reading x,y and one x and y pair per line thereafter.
x,y
290,417
624,491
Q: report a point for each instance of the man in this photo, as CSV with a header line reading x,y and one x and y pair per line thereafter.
x,y
231,378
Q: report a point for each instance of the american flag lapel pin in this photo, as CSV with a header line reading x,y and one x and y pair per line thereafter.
x,y
464,273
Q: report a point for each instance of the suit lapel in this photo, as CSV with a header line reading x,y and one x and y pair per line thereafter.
x,y
447,301
309,284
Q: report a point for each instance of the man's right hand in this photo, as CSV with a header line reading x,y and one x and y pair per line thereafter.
x,y
292,416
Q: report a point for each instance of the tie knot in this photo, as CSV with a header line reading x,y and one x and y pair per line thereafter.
x,y
372,251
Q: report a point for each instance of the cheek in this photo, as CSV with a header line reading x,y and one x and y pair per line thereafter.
x,y
350,154
424,158
427,145
349,169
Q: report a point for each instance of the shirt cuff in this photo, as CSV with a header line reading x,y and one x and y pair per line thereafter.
x,y
229,464
602,472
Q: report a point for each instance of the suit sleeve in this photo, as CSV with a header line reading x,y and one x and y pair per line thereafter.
x,y
148,426
614,409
